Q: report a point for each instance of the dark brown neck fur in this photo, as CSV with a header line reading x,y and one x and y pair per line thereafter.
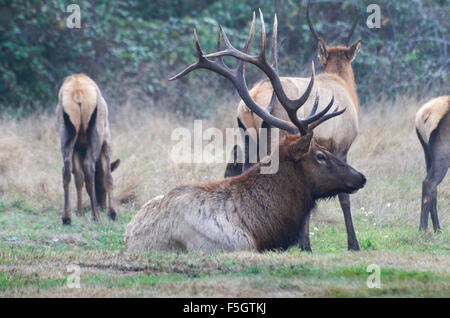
x,y
272,206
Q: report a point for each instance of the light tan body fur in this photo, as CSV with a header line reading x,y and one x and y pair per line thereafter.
x,y
430,114
166,223
336,135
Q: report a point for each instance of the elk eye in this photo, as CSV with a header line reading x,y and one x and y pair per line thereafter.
x,y
320,156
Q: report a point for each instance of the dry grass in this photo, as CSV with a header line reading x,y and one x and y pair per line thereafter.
x,y
35,249
387,151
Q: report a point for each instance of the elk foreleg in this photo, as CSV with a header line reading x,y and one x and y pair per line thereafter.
x,y
303,241
344,201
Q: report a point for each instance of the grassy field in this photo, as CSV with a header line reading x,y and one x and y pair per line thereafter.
x,y
36,250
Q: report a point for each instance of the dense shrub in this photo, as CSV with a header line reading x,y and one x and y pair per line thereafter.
x,y
138,44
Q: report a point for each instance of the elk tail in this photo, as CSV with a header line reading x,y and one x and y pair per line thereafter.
x,y
430,115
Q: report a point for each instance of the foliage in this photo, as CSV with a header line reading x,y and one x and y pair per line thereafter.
x,y
137,44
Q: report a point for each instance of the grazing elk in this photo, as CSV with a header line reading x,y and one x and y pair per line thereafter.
x,y
433,131
336,136
253,210
85,145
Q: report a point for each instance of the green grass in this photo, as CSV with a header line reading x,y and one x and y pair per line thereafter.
x,y
35,250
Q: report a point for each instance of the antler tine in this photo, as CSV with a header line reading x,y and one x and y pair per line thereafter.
x,y
274,44
355,23
193,66
271,105
219,60
316,104
241,64
311,27
250,35
262,54
313,116
326,117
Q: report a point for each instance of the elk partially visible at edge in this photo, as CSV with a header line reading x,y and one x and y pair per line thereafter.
x,y
433,131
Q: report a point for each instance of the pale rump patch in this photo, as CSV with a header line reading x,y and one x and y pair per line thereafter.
x,y
78,96
429,116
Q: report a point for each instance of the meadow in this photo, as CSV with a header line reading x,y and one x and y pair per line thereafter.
x,y
36,249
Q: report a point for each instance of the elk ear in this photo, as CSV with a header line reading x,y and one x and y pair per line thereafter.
x,y
322,52
353,50
115,164
301,147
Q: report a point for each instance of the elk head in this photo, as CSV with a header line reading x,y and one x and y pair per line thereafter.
x,y
335,59
327,174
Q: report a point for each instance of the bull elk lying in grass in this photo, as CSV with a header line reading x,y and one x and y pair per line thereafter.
x,y
336,136
433,131
253,210
85,145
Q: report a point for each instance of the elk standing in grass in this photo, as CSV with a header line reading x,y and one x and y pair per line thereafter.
x,y
85,145
433,131
336,136
253,210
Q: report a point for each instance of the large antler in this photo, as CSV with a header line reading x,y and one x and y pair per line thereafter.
x,y
236,76
318,37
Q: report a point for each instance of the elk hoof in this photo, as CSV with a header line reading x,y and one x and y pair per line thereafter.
x,y
305,247
112,215
66,221
354,248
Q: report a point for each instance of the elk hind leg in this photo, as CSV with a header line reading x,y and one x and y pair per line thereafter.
x,y
79,181
93,149
429,195
426,202
100,190
68,138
